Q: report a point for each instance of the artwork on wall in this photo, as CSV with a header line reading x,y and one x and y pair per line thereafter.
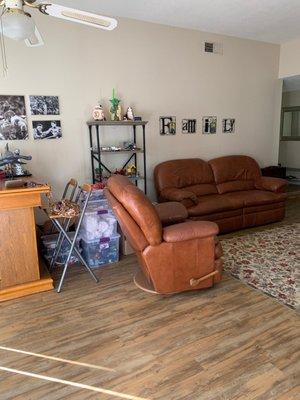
x,y
46,130
13,122
209,125
167,125
228,125
189,125
44,105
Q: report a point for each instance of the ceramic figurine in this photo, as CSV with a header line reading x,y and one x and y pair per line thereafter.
x,y
114,107
98,113
119,113
131,170
129,116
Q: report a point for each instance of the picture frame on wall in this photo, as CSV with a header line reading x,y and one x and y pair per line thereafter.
x,y
167,125
13,119
44,105
189,125
209,125
228,125
46,130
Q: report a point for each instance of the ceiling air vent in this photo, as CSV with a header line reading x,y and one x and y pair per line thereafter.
x,y
213,48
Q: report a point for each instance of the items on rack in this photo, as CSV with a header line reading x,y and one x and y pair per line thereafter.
x,y
98,113
135,149
115,111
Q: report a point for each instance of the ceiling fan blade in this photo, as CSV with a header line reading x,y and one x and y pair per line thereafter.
x,y
35,40
82,17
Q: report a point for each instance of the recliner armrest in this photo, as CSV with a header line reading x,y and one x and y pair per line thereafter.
x,y
189,230
276,185
174,194
171,212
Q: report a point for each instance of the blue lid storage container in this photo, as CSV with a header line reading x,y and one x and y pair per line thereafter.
x,y
101,251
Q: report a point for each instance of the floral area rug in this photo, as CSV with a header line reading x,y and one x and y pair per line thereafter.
x,y
268,260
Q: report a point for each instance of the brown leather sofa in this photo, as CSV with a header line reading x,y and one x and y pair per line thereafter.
x,y
228,190
174,258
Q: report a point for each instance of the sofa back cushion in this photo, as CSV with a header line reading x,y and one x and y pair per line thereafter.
x,y
193,174
235,173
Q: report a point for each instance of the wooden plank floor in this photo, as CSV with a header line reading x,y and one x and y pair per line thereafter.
x,y
226,343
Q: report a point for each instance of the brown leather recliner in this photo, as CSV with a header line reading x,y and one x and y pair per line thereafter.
x,y
227,190
175,258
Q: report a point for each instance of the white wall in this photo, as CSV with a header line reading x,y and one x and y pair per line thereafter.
x,y
289,151
289,59
159,70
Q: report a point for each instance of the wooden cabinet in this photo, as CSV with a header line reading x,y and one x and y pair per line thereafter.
x,y
20,268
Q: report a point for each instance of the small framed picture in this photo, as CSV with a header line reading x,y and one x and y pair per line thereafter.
x,y
167,125
44,105
189,125
13,121
209,125
46,130
228,125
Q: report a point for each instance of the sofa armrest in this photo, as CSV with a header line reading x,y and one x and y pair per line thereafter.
x,y
276,185
189,230
174,194
171,212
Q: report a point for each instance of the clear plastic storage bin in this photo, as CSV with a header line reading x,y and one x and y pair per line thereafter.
x,y
100,252
49,244
97,194
98,222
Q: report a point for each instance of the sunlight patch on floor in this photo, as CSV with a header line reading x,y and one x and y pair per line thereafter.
x,y
63,360
73,384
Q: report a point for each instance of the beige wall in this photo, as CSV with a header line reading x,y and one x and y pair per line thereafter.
x,y
160,71
289,59
289,152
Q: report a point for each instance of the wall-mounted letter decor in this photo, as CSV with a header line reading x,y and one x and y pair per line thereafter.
x,y
189,125
167,125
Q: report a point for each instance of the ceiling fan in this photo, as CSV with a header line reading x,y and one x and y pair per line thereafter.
x,y
16,23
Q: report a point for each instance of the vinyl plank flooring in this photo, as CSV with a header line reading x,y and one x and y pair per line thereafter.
x,y
229,342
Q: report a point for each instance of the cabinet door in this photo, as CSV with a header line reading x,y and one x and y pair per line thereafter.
x,y
18,248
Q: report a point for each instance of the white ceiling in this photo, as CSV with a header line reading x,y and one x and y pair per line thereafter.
x,y
275,21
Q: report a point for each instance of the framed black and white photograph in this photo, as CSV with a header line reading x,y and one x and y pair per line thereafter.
x,y
46,130
189,125
167,125
44,105
209,125
13,121
228,125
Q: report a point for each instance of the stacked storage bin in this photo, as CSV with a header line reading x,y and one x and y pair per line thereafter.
x,y
49,244
98,232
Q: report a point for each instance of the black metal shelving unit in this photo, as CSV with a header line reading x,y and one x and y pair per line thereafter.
x,y
96,152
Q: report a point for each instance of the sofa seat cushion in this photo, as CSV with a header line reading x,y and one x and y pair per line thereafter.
x,y
214,203
263,207
256,197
